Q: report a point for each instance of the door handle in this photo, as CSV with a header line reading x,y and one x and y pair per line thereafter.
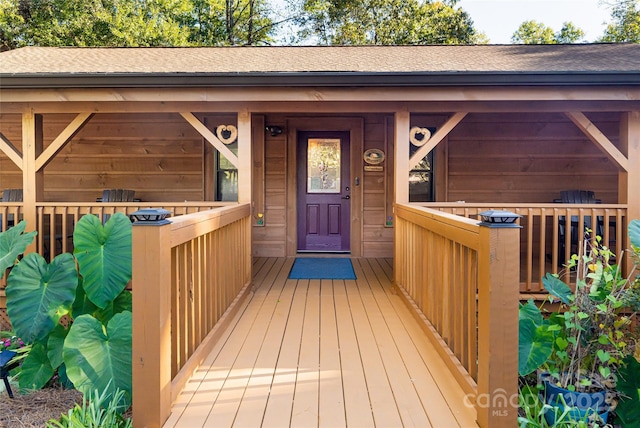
x,y
346,197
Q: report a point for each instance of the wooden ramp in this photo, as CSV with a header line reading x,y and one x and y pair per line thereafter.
x,y
322,353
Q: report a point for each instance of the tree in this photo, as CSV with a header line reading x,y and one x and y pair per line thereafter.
x,y
569,33
133,22
384,22
536,33
91,23
229,22
626,23
533,33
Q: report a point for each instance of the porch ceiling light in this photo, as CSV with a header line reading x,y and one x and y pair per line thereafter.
x,y
498,218
150,217
274,130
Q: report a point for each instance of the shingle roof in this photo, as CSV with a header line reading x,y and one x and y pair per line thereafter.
x,y
393,59
590,59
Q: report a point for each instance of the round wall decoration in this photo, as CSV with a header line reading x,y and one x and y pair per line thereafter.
x,y
419,136
227,133
374,156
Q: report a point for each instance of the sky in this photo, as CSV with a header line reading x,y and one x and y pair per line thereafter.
x,y
499,19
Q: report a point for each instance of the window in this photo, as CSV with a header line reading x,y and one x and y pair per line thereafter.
x,y
323,165
226,177
421,187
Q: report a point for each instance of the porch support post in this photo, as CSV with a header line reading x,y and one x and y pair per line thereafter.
x,y
401,179
401,137
498,294
629,180
151,354
244,157
245,169
32,179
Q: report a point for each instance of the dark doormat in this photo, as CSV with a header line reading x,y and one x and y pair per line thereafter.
x,y
322,268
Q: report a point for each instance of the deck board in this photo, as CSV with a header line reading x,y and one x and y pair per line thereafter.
x,y
312,353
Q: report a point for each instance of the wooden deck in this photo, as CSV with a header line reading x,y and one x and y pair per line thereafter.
x,y
323,353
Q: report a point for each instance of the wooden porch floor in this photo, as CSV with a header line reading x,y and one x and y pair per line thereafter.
x,y
322,353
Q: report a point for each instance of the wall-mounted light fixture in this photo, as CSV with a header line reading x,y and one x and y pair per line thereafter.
x,y
274,130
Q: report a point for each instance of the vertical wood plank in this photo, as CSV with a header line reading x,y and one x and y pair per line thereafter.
x,y
305,400
245,165
32,179
401,181
258,160
629,192
331,396
498,294
151,325
401,142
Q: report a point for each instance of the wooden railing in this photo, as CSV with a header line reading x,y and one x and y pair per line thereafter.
x,y
190,276
546,242
56,221
10,214
461,281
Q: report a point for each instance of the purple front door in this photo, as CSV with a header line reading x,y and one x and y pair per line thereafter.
x,y
324,199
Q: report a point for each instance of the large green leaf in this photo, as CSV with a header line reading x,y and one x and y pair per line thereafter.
x,y
634,233
55,343
36,368
123,302
628,385
82,305
13,242
530,311
100,358
534,347
557,288
104,256
38,295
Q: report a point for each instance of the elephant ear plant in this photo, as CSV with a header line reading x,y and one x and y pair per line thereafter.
x,y
92,349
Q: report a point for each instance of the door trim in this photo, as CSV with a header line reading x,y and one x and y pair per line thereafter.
x,y
355,127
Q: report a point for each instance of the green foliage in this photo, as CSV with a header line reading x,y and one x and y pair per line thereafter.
x,y
100,411
385,22
535,341
134,23
533,33
557,288
97,346
13,241
569,33
634,235
104,256
38,294
533,411
628,409
100,358
230,22
36,368
536,33
625,25
587,339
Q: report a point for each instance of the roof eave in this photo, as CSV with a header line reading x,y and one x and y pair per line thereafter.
x,y
325,79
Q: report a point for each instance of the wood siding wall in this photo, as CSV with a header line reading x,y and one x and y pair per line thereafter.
x,y
157,155
504,157
488,157
270,240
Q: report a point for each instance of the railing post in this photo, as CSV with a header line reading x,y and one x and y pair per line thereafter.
x,y
498,294
151,251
